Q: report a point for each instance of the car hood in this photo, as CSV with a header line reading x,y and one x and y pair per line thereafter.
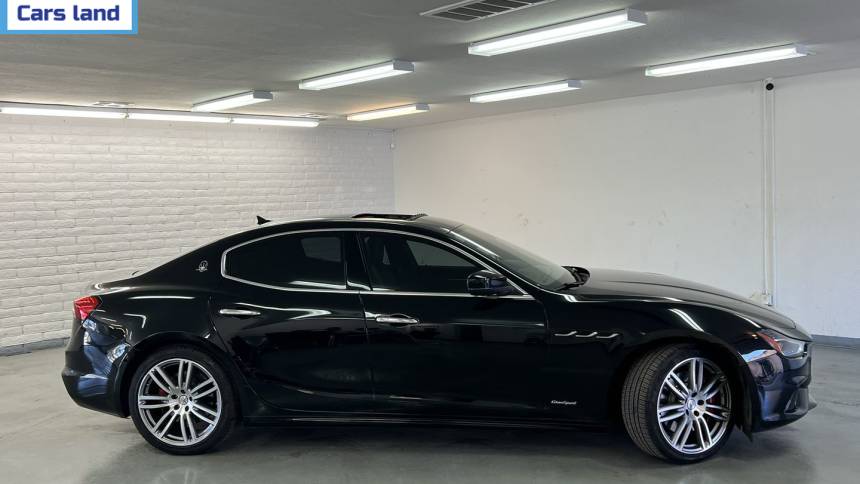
x,y
608,284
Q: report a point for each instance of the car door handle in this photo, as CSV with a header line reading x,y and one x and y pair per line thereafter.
x,y
396,320
239,313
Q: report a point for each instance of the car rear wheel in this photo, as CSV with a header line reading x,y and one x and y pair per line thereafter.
x,y
181,401
677,404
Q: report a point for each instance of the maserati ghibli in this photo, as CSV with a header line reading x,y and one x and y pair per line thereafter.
x,y
411,319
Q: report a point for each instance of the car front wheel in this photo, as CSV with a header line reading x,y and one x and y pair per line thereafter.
x,y
181,401
677,404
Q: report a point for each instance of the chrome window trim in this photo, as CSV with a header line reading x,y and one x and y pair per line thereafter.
x,y
523,294
269,286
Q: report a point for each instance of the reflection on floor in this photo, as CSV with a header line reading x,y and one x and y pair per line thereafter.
x,y
44,438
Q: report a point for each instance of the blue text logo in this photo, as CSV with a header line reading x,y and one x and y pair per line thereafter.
x,y
68,16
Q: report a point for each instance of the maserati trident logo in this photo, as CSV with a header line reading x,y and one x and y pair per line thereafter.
x,y
563,402
203,267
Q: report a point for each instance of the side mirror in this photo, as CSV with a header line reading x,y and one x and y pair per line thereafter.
x,y
489,283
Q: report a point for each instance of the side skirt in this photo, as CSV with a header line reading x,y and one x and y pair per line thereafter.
x,y
395,420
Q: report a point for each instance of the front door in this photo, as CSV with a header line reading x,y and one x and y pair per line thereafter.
x,y
294,326
437,349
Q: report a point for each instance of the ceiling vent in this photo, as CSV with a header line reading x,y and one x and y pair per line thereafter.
x,y
112,104
471,10
312,115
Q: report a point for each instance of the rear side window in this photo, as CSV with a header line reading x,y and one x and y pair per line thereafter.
x,y
301,261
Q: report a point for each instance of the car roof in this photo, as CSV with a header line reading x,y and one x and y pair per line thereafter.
x,y
418,223
407,222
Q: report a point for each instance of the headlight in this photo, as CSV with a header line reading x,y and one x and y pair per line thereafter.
x,y
788,347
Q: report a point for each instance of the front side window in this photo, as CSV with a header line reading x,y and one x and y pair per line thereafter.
x,y
411,264
529,266
301,261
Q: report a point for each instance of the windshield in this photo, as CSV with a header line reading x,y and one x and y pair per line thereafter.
x,y
523,263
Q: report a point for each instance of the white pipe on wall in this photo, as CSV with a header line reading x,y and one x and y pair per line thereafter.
x,y
768,192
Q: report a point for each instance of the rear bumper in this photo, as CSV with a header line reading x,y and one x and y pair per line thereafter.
x,y
90,375
782,389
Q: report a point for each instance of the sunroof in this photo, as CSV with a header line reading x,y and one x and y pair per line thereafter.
x,y
391,216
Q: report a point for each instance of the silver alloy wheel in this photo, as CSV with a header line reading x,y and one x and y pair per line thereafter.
x,y
179,402
694,406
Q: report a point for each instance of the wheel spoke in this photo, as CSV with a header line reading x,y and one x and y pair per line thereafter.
x,y
686,435
190,424
182,428
707,388
207,392
196,394
201,417
160,421
666,408
671,385
167,426
153,405
696,370
681,383
179,374
159,398
188,376
704,433
164,376
198,387
155,379
699,435
673,416
205,409
719,408
721,418
715,390
680,431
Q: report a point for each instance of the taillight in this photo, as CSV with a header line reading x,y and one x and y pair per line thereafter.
x,y
85,305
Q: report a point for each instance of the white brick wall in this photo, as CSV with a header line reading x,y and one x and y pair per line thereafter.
x,y
79,198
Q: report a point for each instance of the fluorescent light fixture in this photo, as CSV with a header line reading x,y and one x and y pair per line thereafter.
x,y
361,74
728,60
244,99
65,111
526,91
561,32
276,121
179,116
153,115
389,112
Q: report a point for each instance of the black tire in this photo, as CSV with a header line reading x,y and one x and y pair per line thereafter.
x,y
226,420
640,398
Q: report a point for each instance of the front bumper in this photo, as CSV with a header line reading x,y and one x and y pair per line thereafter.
x,y
781,389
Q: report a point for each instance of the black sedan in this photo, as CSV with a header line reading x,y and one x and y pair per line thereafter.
x,y
418,320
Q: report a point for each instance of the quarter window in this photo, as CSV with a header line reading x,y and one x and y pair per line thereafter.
x,y
302,261
408,264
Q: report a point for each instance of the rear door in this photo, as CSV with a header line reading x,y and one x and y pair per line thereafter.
x,y
293,324
436,348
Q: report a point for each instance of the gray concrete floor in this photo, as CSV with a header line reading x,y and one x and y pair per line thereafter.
x,y
44,437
